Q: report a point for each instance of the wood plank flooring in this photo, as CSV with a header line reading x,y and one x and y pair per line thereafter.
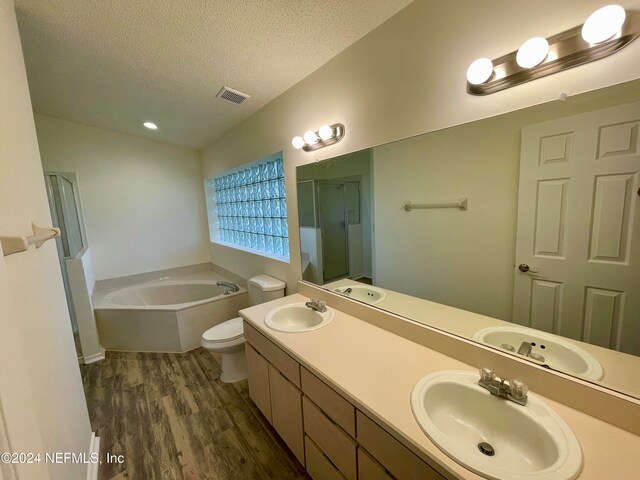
x,y
171,417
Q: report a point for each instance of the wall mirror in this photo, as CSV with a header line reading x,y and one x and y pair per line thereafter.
x,y
520,231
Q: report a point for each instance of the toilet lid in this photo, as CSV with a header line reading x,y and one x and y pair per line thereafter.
x,y
229,330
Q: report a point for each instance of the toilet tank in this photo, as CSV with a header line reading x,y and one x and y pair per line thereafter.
x,y
263,288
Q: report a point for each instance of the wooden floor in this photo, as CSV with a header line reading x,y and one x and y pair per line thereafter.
x,y
171,417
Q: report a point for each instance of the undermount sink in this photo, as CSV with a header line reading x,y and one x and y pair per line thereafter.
x,y
494,437
558,353
363,293
297,317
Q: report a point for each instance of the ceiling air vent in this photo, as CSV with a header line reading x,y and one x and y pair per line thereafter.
x,y
231,95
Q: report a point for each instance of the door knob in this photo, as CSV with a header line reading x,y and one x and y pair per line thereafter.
x,y
524,268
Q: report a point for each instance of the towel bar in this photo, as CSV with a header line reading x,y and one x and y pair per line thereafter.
x,y
461,204
40,235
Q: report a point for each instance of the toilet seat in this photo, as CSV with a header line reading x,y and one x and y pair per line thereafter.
x,y
224,332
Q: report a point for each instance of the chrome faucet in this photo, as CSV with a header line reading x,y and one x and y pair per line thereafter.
x,y
347,291
525,349
317,305
514,390
228,287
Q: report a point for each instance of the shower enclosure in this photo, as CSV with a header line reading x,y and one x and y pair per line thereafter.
x,y
330,208
66,214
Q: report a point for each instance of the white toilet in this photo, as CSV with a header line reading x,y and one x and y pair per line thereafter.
x,y
227,338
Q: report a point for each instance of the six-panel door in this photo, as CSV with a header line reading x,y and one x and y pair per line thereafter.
x,y
578,220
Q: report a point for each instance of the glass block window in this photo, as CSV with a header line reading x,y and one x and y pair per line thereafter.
x,y
248,210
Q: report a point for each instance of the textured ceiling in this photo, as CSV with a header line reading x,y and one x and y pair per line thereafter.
x,y
116,63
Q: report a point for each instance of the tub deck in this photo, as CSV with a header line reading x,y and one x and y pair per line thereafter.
x,y
174,328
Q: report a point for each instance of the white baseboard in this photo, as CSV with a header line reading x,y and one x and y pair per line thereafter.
x,y
94,447
96,357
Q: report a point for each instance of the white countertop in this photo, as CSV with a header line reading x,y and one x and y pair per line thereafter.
x,y
376,370
621,370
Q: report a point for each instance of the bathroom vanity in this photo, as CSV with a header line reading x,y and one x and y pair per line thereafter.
x,y
325,431
339,397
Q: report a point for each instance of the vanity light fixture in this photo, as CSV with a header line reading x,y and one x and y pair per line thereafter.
x,y
325,136
310,137
150,125
480,71
605,32
603,24
532,52
325,132
297,142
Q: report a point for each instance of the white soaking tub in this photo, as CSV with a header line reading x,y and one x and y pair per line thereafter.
x,y
164,316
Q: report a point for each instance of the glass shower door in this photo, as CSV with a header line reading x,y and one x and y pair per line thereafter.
x,y
63,199
65,214
331,213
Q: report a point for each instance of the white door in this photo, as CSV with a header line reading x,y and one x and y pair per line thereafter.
x,y
578,216
7,470
41,394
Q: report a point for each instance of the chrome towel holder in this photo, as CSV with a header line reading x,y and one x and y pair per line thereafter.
x,y
461,204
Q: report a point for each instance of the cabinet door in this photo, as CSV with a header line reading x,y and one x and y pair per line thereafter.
x,y
258,375
286,411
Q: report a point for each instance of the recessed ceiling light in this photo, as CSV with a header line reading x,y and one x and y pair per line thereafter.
x,y
150,125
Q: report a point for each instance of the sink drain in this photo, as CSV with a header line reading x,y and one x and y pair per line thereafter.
x,y
486,449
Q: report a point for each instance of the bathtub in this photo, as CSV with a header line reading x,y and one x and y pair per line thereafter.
x,y
166,315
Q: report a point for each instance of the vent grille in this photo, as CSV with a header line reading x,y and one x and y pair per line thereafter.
x,y
231,95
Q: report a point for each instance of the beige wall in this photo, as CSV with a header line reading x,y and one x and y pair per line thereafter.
x,y
462,259
405,78
41,393
143,201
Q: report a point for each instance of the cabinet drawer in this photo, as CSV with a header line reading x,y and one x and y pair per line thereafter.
x,y
274,354
395,457
332,440
369,469
319,466
330,402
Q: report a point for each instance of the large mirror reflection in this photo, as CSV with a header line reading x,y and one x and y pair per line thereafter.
x,y
541,261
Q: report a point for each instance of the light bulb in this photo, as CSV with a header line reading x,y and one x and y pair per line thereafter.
x,y
297,142
310,137
603,24
150,125
532,52
480,71
325,132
